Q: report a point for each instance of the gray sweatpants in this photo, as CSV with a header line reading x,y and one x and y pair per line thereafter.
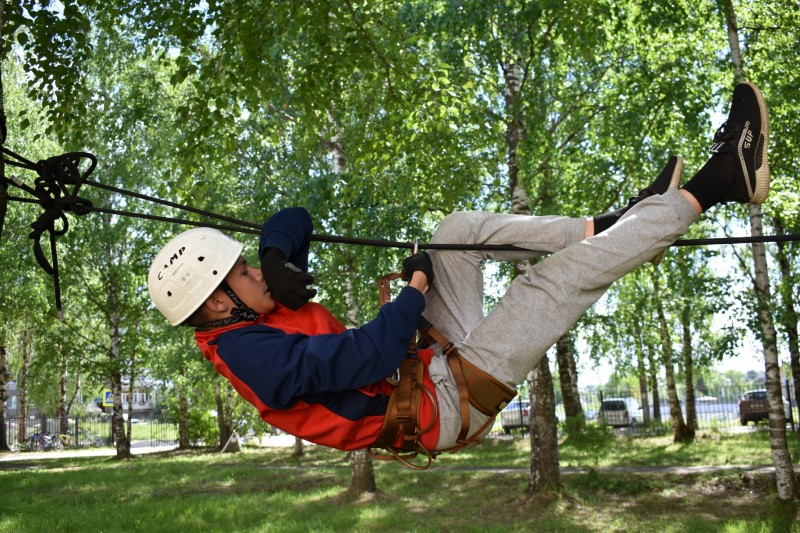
x,y
541,306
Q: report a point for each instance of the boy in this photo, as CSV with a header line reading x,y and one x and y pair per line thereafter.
x,y
309,376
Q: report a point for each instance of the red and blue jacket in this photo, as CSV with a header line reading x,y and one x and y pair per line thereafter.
x,y
304,371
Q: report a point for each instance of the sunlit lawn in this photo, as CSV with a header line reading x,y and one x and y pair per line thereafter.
x,y
267,490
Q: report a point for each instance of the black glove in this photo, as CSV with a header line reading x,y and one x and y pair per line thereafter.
x,y
286,282
419,261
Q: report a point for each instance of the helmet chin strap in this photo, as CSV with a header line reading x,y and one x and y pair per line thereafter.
x,y
240,313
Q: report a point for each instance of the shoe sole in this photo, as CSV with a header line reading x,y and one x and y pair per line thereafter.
x,y
674,183
761,189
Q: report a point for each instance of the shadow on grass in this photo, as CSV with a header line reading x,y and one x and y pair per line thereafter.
x,y
269,490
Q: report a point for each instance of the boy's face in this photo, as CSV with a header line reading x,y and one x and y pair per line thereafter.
x,y
249,285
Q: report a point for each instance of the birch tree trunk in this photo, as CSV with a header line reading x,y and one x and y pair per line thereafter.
x,y
61,405
568,377
114,353
121,442
688,370
679,430
183,417
544,475
228,409
641,373
222,427
23,386
5,377
781,457
3,186
298,450
363,474
77,393
784,470
789,309
654,386
544,471
131,387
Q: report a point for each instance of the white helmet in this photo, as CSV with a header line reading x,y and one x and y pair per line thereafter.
x,y
188,269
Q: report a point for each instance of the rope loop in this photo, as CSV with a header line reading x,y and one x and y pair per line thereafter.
x,y
52,191
56,191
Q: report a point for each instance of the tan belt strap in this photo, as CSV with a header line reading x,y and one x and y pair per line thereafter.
x,y
487,394
402,413
454,360
475,387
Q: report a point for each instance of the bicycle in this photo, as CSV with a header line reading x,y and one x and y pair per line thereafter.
x,y
31,444
41,441
94,440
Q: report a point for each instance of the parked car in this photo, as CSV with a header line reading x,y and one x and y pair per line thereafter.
x,y
517,414
754,406
619,412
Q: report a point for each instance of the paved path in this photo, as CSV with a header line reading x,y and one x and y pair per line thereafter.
x,y
136,449
80,452
287,441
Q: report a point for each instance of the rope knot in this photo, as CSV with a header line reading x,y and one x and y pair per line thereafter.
x,y
56,191
53,194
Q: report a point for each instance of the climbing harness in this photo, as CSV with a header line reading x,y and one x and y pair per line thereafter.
x,y
401,433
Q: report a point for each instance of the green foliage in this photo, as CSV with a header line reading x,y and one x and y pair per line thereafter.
x,y
203,427
233,106
54,41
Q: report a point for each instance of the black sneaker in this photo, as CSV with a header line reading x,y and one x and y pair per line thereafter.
x,y
669,178
745,135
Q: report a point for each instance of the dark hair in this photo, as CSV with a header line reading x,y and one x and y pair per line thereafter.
x,y
200,317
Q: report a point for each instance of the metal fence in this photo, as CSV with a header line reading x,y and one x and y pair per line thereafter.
x,y
714,410
83,431
717,410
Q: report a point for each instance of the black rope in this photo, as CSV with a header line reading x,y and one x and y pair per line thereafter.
x,y
60,179
56,190
167,203
56,200
242,226
737,240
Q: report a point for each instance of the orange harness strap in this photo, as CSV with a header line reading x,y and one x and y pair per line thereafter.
x,y
475,387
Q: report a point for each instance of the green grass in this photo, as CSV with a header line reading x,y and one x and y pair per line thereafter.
x,y
267,490
150,430
596,448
